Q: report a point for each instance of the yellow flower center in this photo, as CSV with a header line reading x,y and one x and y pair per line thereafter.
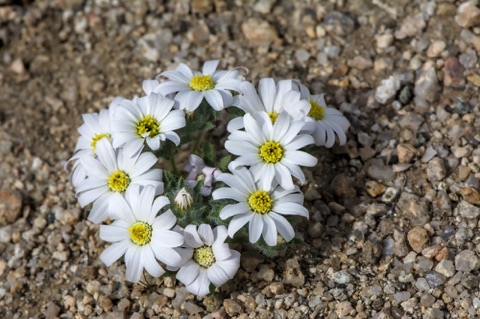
x,y
148,124
273,116
201,83
140,233
316,111
204,256
118,181
260,202
96,138
271,152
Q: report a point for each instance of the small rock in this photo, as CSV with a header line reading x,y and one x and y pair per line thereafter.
x,y
467,260
360,63
446,268
436,48
430,153
192,308
442,254
435,279
401,296
390,195
10,206
266,273
411,121
406,94
374,189
263,6
468,59
405,152
302,55
436,170
422,284
433,313
417,238
453,73
414,208
412,25
342,277
468,15
201,6
342,186
232,307
17,66
380,172
467,210
293,274
426,84
259,32
52,311
338,23
384,40
343,309
387,90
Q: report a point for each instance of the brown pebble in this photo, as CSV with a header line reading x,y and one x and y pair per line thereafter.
x,y
405,152
374,189
442,254
470,195
453,75
417,238
474,79
10,207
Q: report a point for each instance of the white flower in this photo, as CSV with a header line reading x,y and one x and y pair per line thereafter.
x,y
147,119
197,170
271,98
271,150
95,127
141,235
208,259
113,172
323,121
262,208
193,87
183,200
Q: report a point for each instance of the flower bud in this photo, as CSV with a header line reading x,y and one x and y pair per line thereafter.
x,y
183,200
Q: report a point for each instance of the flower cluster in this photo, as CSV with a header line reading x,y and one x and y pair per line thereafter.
x,y
159,219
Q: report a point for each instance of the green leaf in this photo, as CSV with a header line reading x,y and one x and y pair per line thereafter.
x,y
224,161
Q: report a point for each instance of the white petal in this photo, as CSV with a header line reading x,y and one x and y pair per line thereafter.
x,y
133,264
113,252
188,273
221,251
217,275
192,238
209,67
206,234
283,226
165,221
267,91
200,286
215,100
150,263
255,228
234,209
238,222
113,232
283,177
167,238
168,256
269,231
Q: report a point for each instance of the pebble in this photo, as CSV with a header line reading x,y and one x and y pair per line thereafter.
x,y
259,32
430,153
52,311
414,208
342,186
468,14
405,152
411,121
263,6
467,210
435,279
390,195
17,66
446,268
10,206
374,189
422,284
338,23
387,90
342,277
361,63
466,260
436,170
426,84
384,40
406,94
343,309
470,195
468,59
380,172
417,238
453,73
192,308
293,274
436,48
401,296
410,26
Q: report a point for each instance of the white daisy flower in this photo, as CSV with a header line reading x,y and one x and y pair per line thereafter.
x,y
95,127
192,86
141,235
271,150
113,172
262,208
208,259
147,119
197,170
324,121
271,98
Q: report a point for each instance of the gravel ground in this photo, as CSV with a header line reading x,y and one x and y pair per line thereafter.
x,y
394,214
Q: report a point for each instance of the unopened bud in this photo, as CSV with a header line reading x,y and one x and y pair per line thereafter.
x,y
183,199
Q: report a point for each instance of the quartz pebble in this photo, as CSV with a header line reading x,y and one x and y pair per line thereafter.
x,y
468,14
466,260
